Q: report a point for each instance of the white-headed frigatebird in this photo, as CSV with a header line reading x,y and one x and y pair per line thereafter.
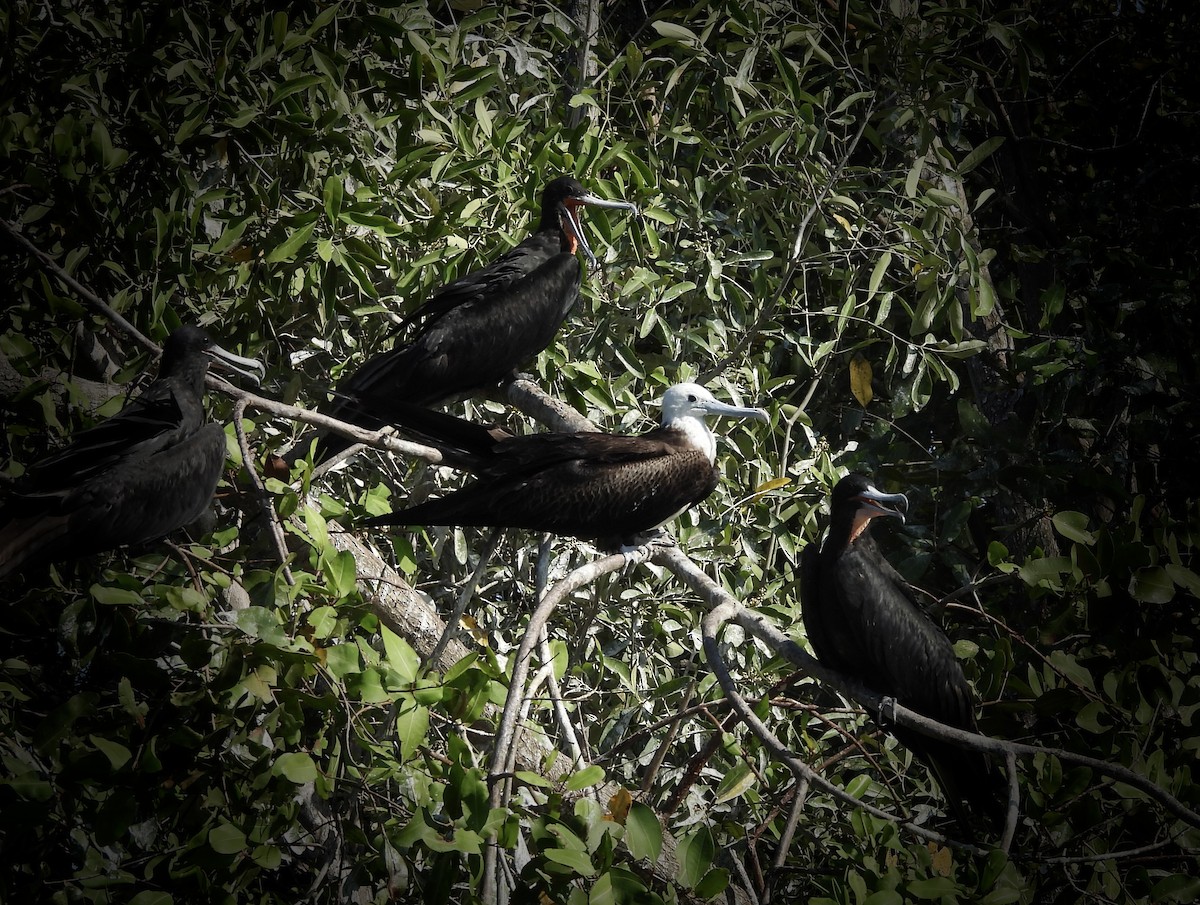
x,y
607,487
862,620
138,476
478,330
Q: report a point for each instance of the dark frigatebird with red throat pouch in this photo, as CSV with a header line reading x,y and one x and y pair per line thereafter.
x,y
862,620
599,486
477,331
146,471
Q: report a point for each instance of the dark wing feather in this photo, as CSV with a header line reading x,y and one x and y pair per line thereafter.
x,y
480,286
153,421
812,607
901,651
138,500
581,485
893,648
492,328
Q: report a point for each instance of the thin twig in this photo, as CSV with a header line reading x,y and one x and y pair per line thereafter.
x,y
380,439
738,353
79,289
274,527
503,746
1014,799
466,594
558,704
710,626
785,838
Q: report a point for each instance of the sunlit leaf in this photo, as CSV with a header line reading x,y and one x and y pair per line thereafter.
x,y
297,766
860,379
226,839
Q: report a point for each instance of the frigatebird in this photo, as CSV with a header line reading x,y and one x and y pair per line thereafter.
x,y
862,620
151,468
478,330
607,487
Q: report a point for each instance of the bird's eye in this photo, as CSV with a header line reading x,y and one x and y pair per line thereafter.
x,y
691,397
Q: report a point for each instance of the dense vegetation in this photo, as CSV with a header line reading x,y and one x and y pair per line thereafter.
x,y
946,243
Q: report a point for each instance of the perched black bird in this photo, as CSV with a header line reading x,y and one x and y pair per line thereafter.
x,y
861,619
141,474
481,328
591,485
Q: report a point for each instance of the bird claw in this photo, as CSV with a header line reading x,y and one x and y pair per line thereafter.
x,y
887,709
644,546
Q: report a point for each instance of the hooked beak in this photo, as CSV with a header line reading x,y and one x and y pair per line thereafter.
x,y
250,368
573,225
876,503
722,410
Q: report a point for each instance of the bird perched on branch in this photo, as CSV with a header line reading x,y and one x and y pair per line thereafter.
x,y
862,620
478,330
609,487
138,476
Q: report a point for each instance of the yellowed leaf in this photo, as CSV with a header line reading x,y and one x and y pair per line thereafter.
x,y
773,484
860,379
619,805
845,224
468,622
943,860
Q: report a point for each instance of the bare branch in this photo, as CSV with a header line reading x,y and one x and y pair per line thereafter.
x,y
260,493
714,596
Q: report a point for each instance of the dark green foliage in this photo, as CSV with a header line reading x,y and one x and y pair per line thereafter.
x,y
986,203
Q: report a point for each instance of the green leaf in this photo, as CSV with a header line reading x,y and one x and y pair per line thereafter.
x,y
295,86
1176,888
342,659
884,897
877,274
341,573
675,32
1046,569
643,832
400,655
695,855
979,154
296,766
412,726
1184,577
1151,585
287,249
735,782
115,596
152,897
118,755
323,621
985,300
712,883
569,857
931,888
226,839
332,196
588,776
1073,526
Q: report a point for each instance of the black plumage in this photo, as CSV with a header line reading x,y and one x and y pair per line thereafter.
x,y
141,474
862,620
478,330
602,486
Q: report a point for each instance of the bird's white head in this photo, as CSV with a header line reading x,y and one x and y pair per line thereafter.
x,y
686,405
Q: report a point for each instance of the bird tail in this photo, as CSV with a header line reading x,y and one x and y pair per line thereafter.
x,y
973,787
347,409
22,539
464,444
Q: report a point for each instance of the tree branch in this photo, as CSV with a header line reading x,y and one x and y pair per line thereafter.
x,y
101,307
714,596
